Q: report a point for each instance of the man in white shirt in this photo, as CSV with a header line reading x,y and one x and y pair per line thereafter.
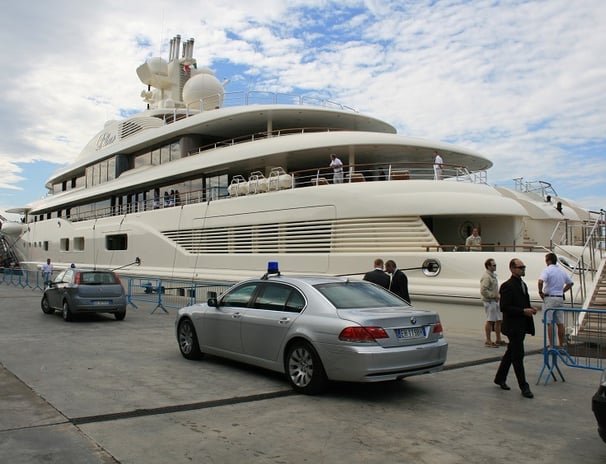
x,y
337,168
437,166
47,270
553,283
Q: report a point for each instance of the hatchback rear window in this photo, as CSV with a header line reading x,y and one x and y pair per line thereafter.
x,y
97,278
359,295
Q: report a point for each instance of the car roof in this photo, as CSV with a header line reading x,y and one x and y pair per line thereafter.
x,y
308,279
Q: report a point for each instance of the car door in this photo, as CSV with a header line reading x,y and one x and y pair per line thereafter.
x,y
266,322
55,291
64,286
220,326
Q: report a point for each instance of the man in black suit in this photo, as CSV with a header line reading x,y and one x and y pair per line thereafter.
x,y
378,275
517,322
399,281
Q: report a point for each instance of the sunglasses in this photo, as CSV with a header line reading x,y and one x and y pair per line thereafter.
x,y
519,267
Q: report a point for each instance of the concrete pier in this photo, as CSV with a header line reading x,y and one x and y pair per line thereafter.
x,y
102,391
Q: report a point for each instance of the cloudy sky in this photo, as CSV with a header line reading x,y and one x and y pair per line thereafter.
x,y
522,82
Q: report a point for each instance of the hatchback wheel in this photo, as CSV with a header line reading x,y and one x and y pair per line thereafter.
x,y
120,315
188,340
46,309
66,312
304,369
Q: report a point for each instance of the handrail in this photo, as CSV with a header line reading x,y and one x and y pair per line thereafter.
x,y
255,97
594,246
304,178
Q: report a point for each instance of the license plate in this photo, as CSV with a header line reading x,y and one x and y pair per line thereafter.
x,y
100,302
410,332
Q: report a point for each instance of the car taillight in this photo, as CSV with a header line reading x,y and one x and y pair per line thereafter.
x,y
362,334
78,278
437,328
117,278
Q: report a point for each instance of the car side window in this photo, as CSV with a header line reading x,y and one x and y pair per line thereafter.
x,y
59,277
68,275
239,297
295,303
277,297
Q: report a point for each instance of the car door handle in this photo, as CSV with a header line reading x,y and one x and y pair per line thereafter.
x,y
236,315
285,320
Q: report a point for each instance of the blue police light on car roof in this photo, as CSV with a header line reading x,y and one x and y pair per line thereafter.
x,y
272,268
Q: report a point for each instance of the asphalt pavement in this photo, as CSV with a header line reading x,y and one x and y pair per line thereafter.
x,y
104,391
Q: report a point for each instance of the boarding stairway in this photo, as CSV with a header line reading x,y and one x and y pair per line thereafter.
x,y
592,327
8,259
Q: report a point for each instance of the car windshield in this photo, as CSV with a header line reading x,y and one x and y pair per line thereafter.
x,y
357,295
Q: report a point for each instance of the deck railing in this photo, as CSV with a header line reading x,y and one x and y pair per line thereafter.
x,y
317,177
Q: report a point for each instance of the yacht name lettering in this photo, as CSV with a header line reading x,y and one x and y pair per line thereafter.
x,y
105,139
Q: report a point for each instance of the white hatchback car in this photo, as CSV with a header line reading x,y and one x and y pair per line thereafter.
x,y
315,329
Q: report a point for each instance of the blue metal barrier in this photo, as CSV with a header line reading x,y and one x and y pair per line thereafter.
x,y
22,278
170,293
163,293
585,347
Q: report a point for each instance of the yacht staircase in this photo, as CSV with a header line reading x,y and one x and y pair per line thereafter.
x,y
593,324
8,259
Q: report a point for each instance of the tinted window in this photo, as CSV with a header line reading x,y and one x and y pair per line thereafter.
x,y
239,296
276,297
350,295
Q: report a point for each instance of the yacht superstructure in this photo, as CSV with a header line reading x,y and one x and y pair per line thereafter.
x,y
208,185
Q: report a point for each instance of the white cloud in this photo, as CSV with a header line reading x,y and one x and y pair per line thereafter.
x,y
521,81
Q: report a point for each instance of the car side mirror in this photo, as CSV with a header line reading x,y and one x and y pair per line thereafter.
x,y
212,299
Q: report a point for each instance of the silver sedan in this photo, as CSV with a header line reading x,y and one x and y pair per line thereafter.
x,y
315,329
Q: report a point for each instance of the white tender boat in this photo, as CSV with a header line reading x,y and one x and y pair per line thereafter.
x,y
208,185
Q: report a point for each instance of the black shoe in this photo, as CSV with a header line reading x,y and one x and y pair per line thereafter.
x,y
527,393
503,385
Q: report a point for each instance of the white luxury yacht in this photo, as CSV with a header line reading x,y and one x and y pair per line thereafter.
x,y
208,185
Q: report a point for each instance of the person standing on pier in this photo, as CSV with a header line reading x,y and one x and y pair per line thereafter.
x,y
399,281
47,270
553,283
517,322
378,275
489,290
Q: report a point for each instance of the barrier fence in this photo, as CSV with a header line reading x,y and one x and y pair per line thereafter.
x,y
584,341
163,293
169,293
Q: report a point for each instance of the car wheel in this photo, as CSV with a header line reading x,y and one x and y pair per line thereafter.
x,y
304,369
120,315
188,340
46,309
66,312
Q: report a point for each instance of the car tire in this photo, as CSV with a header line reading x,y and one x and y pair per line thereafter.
x,y
66,312
304,369
188,340
120,315
46,309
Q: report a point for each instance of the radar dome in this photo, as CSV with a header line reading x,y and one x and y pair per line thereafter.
x,y
158,66
204,87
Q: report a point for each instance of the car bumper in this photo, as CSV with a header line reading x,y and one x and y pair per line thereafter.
x,y
598,405
114,305
354,363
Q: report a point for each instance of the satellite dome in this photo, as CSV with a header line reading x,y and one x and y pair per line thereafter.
x,y
204,87
158,66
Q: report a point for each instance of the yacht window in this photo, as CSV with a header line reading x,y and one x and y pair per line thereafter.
x,y
78,243
116,242
64,244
